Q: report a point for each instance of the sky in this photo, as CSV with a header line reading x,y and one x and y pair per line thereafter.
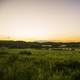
x,y
53,20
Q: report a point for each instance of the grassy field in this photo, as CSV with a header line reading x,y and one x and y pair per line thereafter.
x,y
43,64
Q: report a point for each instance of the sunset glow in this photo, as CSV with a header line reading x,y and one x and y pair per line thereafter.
x,y
32,20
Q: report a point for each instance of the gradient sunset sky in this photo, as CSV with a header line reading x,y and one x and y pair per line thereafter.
x,y
54,20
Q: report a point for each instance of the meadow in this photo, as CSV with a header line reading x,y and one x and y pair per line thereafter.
x,y
39,64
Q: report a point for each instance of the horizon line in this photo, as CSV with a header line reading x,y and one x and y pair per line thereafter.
x,y
57,39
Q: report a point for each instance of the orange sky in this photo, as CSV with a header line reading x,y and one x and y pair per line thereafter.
x,y
66,39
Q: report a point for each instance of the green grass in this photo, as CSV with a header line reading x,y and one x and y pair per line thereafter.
x,y
40,65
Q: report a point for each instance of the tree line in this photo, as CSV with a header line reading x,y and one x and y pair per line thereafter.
x,y
23,44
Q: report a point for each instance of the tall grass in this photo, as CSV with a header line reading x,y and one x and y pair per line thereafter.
x,y
40,65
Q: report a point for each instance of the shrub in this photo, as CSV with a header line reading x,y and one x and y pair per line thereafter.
x,y
25,52
3,52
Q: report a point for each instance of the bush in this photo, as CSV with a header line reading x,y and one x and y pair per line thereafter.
x,y
25,52
2,53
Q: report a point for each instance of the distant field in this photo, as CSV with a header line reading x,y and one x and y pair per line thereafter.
x,y
39,64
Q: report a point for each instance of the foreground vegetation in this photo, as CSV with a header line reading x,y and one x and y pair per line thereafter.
x,y
39,64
